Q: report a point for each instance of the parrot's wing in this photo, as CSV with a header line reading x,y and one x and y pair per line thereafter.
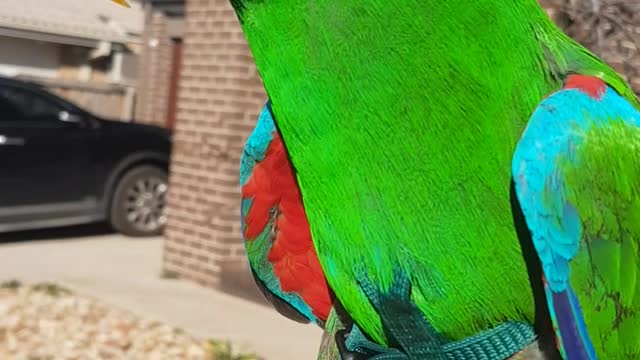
x,y
328,347
276,231
577,177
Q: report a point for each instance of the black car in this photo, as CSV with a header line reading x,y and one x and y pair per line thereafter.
x,y
61,165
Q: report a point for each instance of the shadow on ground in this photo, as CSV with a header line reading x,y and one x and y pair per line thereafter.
x,y
62,233
236,279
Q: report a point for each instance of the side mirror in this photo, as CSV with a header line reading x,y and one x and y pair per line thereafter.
x,y
70,118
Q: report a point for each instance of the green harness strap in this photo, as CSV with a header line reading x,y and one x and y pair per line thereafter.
x,y
411,337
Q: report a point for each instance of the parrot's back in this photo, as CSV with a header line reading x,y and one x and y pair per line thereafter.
x,y
401,122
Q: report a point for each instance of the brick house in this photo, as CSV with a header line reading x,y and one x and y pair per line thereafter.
x,y
219,98
86,52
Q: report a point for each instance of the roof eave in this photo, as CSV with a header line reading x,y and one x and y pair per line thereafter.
x,y
68,39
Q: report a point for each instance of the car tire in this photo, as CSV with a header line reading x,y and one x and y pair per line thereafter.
x,y
138,205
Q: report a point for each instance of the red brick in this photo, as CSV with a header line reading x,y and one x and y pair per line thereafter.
x,y
220,98
154,71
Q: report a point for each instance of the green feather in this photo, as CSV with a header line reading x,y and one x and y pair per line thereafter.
x,y
328,348
401,117
605,188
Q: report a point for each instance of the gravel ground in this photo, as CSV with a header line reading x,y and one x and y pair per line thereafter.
x,y
45,321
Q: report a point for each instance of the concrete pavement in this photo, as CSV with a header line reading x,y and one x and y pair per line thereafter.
x,y
126,273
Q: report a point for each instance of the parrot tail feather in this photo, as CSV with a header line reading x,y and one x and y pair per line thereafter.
x,y
574,343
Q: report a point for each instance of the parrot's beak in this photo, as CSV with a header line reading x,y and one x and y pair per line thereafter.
x,y
121,2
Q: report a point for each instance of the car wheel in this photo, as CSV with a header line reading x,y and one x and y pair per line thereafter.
x,y
138,206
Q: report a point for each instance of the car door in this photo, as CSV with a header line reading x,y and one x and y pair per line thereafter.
x,y
46,164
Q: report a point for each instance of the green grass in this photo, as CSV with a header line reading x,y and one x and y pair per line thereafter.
x,y
11,284
223,350
46,287
51,289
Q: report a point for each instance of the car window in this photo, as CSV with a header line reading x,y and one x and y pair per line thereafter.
x,y
8,109
21,104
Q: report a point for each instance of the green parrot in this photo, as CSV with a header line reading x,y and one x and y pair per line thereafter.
x,y
467,174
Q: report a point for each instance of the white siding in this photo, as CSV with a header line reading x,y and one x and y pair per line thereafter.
x,y
28,57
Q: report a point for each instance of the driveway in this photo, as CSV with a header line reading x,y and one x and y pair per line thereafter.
x,y
125,273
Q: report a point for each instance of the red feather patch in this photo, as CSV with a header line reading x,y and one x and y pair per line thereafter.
x,y
274,190
590,85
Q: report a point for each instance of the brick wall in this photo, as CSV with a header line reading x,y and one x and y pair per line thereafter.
x,y
154,70
220,98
